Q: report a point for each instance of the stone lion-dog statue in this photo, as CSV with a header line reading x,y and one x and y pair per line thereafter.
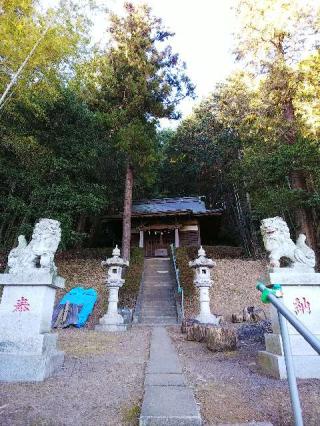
x,y
38,255
277,241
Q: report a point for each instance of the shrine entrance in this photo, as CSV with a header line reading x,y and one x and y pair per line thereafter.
x,y
157,242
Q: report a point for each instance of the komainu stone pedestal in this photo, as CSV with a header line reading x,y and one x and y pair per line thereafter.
x,y
28,351
301,295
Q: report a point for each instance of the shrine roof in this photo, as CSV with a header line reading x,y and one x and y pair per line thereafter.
x,y
178,205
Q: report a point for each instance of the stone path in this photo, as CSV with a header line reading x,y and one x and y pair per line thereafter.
x,y
167,398
157,302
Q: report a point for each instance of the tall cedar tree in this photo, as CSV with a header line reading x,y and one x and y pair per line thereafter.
x,y
273,35
145,82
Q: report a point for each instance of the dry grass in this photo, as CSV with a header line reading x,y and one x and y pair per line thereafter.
x,y
234,286
87,273
234,283
81,343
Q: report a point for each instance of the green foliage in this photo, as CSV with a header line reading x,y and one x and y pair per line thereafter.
x,y
52,166
59,37
129,292
186,273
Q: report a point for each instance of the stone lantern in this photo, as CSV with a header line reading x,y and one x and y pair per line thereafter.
x,y
202,279
112,320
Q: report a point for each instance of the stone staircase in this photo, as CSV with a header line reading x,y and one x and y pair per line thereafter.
x,y
158,306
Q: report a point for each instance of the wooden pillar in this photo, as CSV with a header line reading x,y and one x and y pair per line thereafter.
x,y
176,237
141,241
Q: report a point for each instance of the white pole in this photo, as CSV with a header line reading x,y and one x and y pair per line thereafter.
x,y
20,69
141,241
176,237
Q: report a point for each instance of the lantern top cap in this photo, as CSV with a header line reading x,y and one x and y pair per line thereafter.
x,y
201,252
115,260
116,251
202,260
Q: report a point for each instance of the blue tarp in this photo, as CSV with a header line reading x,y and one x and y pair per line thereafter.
x,y
86,297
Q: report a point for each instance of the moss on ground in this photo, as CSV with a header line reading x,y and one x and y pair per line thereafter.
x,y
131,415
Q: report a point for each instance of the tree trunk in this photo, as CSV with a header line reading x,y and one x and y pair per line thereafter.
x,y
290,119
303,216
127,208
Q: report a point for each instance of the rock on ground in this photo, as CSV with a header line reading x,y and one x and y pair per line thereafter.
x,y
221,339
217,338
101,383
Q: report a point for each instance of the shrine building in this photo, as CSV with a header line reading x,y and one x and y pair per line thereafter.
x,y
183,221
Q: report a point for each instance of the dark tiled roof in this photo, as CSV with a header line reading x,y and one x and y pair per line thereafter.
x,y
170,205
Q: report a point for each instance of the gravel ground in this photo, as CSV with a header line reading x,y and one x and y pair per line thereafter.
x,y
101,383
230,389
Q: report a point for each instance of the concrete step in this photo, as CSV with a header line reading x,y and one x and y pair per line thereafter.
x,y
158,289
158,275
168,311
171,307
152,284
158,304
159,320
159,323
158,295
160,298
158,312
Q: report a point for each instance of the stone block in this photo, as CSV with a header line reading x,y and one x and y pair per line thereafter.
x,y
221,339
29,361
23,367
169,405
306,367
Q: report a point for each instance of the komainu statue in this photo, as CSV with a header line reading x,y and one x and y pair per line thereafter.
x,y
277,242
38,255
